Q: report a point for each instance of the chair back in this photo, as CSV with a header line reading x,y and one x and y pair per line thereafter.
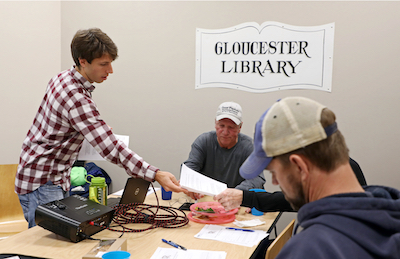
x,y
276,246
12,218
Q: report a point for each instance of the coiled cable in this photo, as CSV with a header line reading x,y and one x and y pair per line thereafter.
x,y
155,215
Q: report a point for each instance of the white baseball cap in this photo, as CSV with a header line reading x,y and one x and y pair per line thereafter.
x,y
231,111
289,124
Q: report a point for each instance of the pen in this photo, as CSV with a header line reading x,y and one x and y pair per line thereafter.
x,y
241,229
174,244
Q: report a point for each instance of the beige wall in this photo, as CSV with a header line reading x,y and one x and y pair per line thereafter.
x,y
151,96
30,36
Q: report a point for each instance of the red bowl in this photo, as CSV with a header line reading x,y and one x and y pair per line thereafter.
x,y
218,209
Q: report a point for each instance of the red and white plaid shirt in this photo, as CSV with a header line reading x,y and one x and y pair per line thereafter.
x,y
67,116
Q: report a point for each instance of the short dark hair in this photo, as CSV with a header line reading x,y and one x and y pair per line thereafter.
x,y
91,44
326,154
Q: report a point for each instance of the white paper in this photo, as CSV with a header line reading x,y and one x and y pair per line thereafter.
x,y
236,237
88,152
198,183
173,253
248,223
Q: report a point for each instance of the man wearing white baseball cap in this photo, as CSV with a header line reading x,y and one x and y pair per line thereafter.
x,y
219,154
298,141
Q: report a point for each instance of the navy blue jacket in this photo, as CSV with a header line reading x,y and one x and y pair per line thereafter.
x,y
353,225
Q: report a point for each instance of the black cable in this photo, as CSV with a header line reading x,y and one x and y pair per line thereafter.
x,y
88,237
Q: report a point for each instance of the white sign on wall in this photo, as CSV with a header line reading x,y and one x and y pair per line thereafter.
x,y
263,58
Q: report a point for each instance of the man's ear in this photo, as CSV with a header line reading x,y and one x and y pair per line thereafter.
x,y
83,62
301,164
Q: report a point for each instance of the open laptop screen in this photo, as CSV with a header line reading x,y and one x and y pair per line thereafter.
x,y
135,191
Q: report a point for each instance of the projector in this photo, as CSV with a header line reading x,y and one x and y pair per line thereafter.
x,y
74,217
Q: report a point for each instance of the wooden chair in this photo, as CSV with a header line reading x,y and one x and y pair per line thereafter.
x,y
12,219
276,246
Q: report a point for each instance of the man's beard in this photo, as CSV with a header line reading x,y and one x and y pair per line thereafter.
x,y
299,199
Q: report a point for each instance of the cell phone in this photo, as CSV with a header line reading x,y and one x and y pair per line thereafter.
x,y
186,206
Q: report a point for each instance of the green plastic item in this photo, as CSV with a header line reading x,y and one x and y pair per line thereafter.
x,y
98,189
78,176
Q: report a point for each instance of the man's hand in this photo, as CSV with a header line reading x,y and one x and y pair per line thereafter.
x,y
195,196
169,182
230,198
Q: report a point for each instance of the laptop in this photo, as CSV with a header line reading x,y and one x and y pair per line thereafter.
x,y
135,191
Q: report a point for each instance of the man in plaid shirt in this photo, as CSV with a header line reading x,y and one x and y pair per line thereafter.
x,y
67,116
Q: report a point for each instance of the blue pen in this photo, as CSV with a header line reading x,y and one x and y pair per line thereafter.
x,y
174,244
241,229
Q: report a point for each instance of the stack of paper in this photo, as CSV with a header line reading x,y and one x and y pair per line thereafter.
x,y
198,183
237,237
